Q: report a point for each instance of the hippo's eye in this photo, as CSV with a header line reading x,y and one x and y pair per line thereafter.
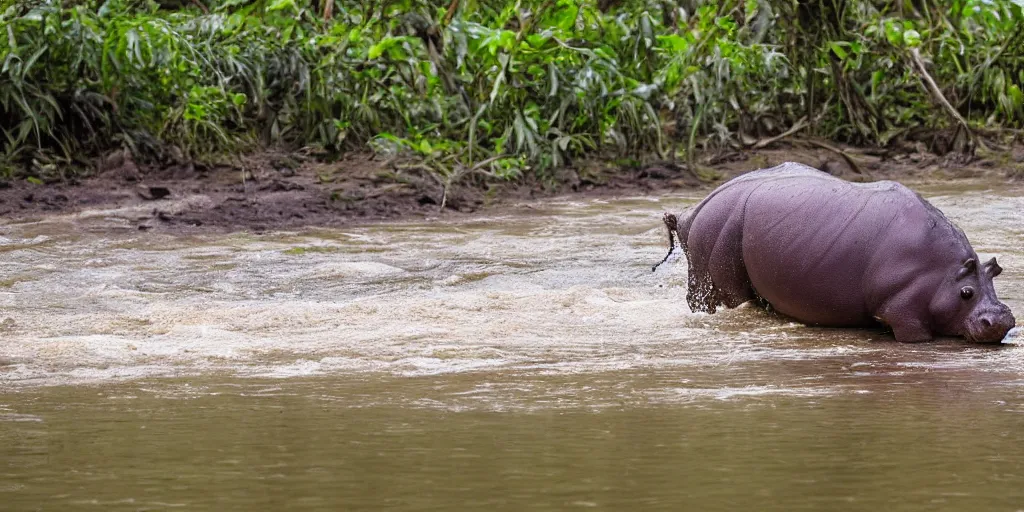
x,y
966,293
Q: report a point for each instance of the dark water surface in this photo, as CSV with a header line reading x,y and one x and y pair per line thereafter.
x,y
529,361
929,440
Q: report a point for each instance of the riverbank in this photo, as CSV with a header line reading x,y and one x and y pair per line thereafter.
x,y
270,190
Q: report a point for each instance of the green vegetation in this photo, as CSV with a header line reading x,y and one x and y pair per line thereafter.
x,y
496,88
298,251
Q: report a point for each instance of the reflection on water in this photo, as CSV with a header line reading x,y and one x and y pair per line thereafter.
x,y
529,360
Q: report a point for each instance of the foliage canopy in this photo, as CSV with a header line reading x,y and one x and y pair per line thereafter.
x,y
494,87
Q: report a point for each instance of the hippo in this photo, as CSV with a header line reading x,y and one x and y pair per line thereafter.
x,y
831,253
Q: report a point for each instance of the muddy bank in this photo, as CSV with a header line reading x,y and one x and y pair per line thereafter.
x,y
269,190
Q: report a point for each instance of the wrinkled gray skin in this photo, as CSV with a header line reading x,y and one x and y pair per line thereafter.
x,y
832,253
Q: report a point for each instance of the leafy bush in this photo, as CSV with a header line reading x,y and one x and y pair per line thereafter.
x,y
496,88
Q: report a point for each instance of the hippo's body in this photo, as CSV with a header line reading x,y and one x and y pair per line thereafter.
x,y
832,253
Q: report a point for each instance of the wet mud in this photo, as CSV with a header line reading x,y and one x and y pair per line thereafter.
x,y
268,191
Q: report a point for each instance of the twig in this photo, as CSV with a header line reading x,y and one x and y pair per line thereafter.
x,y
452,7
799,125
484,163
201,6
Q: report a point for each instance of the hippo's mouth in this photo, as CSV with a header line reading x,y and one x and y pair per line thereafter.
x,y
981,339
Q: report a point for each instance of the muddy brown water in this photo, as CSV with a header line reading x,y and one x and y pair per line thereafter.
x,y
523,361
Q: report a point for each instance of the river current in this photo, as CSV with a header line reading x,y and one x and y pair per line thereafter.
x,y
525,359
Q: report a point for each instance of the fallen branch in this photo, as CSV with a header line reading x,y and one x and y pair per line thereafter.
x,y
484,163
799,125
846,156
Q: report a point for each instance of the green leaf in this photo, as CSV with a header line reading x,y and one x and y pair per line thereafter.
x,y
912,38
32,60
893,33
725,23
33,180
563,16
377,50
837,47
385,45
750,6
238,99
279,5
503,58
673,42
876,78
553,75
1015,95
537,41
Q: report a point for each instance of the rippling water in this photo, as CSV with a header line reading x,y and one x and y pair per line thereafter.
x,y
528,360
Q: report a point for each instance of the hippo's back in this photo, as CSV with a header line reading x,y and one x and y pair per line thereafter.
x,y
810,240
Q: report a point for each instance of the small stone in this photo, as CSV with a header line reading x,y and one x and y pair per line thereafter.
x,y
153,193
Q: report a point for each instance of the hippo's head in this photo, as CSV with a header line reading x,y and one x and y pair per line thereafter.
x,y
966,304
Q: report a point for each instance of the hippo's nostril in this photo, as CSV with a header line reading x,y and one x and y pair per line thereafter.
x,y
986,322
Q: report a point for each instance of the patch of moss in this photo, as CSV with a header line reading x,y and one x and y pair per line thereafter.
x,y
295,251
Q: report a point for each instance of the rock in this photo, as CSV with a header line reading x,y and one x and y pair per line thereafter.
x,y
120,164
153,193
833,167
281,186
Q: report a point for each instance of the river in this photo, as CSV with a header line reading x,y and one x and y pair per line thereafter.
x,y
523,360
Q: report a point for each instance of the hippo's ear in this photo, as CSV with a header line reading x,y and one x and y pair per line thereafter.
x,y
992,268
969,266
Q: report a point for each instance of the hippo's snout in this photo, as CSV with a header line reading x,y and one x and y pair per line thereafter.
x,y
991,326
